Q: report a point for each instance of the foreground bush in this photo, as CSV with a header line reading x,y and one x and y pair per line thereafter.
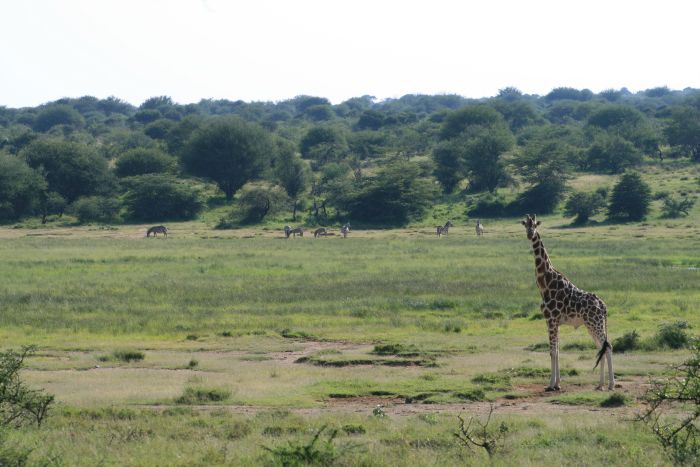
x,y
674,411
19,405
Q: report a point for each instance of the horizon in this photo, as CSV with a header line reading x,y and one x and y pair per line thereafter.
x,y
273,50
376,100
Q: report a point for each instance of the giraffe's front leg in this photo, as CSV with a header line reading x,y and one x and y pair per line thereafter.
x,y
553,328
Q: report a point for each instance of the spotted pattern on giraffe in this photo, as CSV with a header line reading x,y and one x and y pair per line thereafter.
x,y
564,303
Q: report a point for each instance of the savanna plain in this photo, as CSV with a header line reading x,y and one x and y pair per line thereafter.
x,y
240,347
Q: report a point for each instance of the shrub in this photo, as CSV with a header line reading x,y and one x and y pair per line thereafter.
x,y
673,335
489,206
614,400
19,405
478,434
629,341
311,453
128,355
141,161
201,395
156,197
674,207
96,209
630,198
584,205
257,200
674,409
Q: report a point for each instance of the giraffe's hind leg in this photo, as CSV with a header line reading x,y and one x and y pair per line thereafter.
x,y
597,331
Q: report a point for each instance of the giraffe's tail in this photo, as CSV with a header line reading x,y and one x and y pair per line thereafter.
x,y
601,352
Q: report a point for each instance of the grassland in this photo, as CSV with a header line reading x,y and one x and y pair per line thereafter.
x,y
250,341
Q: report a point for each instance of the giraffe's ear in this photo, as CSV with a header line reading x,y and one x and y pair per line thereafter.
x,y
522,222
538,223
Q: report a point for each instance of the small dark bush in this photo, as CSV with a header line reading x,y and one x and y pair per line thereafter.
x,y
128,355
476,394
354,429
629,341
498,379
315,452
578,346
614,400
673,335
96,209
200,395
396,349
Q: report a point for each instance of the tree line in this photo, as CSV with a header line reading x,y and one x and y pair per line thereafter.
x,y
377,162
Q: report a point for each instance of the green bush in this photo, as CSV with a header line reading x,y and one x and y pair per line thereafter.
x,y
128,355
673,335
629,341
630,198
141,161
202,395
156,197
96,209
614,400
311,453
674,207
19,405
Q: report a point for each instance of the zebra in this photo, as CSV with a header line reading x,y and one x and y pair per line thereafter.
x,y
443,229
290,231
479,228
344,230
320,231
156,230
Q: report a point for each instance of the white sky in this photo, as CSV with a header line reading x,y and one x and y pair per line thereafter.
x,y
277,49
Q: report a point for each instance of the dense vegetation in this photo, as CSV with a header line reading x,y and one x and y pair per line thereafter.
x,y
377,162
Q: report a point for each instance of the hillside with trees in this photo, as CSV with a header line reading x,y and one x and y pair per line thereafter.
x,y
380,163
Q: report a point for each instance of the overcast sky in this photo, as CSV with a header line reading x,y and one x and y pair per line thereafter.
x,y
277,49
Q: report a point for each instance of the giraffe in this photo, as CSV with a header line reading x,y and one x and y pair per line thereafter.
x,y
564,303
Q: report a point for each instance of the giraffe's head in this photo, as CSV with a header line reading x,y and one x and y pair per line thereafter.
x,y
531,224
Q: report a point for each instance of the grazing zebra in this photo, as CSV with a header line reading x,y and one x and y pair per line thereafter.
x,y
344,230
290,231
320,231
156,230
443,229
479,228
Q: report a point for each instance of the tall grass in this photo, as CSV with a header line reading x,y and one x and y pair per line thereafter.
x,y
329,287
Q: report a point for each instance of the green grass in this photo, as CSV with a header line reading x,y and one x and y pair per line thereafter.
x,y
383,317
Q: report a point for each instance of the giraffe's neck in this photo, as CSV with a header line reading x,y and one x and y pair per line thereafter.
x,y
542,263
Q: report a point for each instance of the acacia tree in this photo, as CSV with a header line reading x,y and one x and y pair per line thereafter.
x,y
630,198
20,188
71,169
292,173
474,140
683,130
230,152
545,164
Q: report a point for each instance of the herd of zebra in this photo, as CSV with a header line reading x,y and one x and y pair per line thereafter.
x,y
323,231
445,229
